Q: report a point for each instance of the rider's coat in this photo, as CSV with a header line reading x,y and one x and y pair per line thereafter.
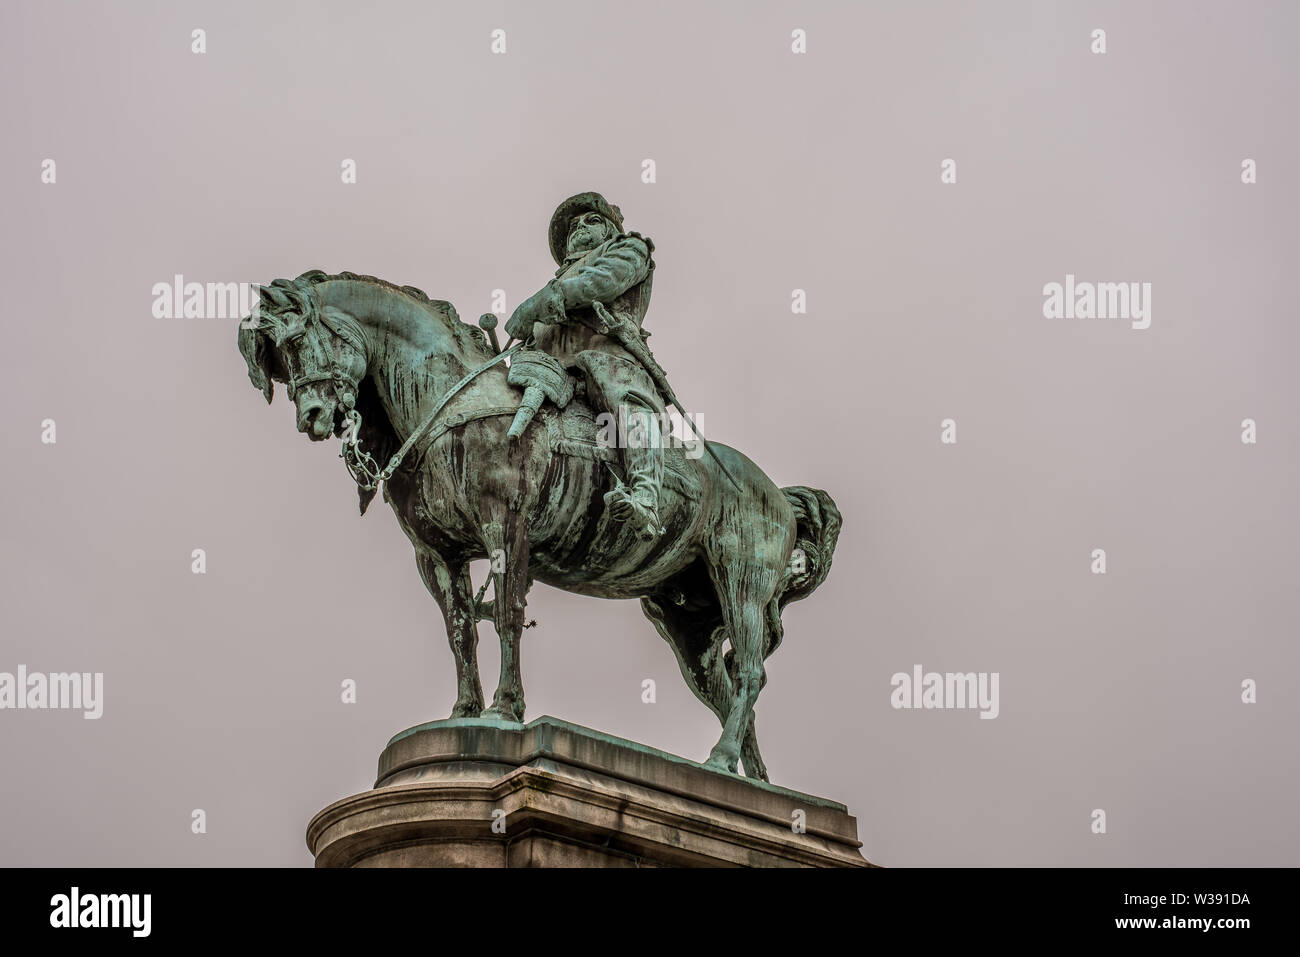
x,y
619,273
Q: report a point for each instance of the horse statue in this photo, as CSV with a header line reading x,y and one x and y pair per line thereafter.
x,y
403,380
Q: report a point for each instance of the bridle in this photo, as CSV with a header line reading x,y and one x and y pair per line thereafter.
x,y
361,465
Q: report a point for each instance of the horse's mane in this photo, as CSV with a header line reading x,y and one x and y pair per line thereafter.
x,y
314,276
376,433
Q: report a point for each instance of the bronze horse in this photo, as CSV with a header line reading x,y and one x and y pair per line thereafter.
x,y
369,361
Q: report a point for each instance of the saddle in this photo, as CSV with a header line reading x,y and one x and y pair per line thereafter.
x,y
571,425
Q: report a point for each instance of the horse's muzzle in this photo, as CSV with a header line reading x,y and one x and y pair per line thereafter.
x,y
313,421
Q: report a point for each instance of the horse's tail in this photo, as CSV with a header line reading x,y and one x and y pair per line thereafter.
x,y
818,529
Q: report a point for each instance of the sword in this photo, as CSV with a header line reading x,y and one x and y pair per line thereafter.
x,y
623,330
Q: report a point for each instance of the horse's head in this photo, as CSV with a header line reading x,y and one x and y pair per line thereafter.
x,y
319,353
361,357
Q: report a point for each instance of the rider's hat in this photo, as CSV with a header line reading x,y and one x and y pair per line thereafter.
x,y
574,206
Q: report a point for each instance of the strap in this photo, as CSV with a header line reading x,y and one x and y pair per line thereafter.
x,y
465,418
418,434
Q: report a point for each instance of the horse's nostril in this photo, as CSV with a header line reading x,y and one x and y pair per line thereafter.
x,y
307,417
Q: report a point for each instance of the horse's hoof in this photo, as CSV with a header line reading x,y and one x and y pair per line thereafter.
x,y
720,762
501,715
466,711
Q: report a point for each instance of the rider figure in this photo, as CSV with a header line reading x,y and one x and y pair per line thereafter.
x,y
599,262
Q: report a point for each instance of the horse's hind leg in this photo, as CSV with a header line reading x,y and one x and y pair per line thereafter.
x,y
744,589
697,643
507,545
749,756
722,691
451,589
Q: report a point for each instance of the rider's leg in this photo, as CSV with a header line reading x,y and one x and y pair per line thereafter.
x,y
637,501
622,388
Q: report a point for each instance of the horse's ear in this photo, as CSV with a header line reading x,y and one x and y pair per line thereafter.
x,y
257,354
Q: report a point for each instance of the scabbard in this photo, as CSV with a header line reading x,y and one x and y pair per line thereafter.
x,y
626,333
630,337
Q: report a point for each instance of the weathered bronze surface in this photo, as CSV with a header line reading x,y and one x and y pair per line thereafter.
x,y
708,544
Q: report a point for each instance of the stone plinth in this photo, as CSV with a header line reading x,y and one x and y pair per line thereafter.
x,y
474,792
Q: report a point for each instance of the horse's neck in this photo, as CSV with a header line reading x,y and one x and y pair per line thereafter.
x,y
414,353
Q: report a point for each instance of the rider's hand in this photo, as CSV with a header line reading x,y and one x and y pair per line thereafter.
x,y
545,305
518,326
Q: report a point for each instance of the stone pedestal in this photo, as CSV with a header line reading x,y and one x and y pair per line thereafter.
x,y
474,792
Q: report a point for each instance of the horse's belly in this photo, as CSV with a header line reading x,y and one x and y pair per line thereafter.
x,y
617,581
580,549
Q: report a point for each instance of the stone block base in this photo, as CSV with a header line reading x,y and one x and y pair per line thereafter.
x,y
474,792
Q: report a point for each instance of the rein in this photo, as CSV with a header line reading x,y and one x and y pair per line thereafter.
x,y
362,466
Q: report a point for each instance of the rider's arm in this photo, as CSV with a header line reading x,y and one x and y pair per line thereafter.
x,y
623,264
602,278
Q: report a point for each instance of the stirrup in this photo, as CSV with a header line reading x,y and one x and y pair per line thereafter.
x,y
625,509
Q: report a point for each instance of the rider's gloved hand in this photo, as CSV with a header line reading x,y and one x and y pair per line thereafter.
x,y
545,305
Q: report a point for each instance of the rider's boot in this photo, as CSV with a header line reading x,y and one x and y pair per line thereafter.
x,y
637,502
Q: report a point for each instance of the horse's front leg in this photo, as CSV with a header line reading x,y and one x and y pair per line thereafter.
x,y
506,540
451,588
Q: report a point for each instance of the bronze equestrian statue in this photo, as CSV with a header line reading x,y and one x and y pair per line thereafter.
x,y
507,463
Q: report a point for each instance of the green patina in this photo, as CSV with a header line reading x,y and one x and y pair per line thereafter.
x,y
484,458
